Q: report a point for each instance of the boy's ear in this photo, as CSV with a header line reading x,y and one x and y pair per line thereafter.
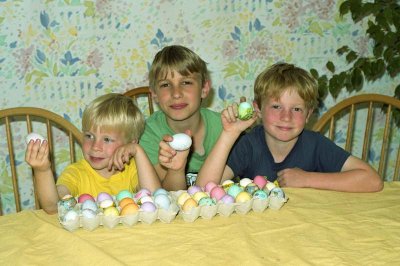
x,y
257,109
153,95
206,89
309,114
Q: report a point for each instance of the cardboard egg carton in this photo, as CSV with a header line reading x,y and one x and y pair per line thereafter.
x,y
224,209
91,223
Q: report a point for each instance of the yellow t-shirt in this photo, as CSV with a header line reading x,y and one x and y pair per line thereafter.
x,y
81,178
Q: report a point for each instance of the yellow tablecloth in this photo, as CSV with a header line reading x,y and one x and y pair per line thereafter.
x,y
314,227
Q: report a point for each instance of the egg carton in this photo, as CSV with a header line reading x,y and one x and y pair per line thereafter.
x,y
224,209
80,221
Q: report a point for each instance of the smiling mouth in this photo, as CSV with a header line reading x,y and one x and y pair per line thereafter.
x,y
178,106
284,128
96,159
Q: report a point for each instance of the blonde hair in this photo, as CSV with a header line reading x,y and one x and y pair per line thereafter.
x,y
178,58
273,81
114,112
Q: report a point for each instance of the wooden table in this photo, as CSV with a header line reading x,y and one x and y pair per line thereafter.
x,y
313,228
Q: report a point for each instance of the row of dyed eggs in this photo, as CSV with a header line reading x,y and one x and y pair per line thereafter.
x,y
228,193
127,202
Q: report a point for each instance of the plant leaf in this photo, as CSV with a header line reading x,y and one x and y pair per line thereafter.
x,y
357,79
330,66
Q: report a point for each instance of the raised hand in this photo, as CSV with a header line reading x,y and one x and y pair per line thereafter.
x,y
37,155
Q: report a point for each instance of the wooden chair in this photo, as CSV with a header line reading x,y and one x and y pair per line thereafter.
x,y
15,123
365,123
140,93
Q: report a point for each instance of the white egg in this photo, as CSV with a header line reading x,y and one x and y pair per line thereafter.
x,y
88,213
89,205
181,142
34,136
71,215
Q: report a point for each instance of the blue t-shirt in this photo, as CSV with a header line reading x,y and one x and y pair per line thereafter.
x,y
313,152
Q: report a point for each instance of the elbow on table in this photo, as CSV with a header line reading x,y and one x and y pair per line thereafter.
x,y
375,183
50,209
378,185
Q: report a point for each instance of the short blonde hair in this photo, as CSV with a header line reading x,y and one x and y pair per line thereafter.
x,y
273,81
180,59
114,112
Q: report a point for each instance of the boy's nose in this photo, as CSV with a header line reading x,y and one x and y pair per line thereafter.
x,y
97,145
286,114
176,92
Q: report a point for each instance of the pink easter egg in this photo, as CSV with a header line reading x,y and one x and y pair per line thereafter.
x,y
217,193
209,186
84,197
260,181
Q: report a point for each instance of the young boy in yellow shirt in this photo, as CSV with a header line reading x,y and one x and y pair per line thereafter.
x,y
108,122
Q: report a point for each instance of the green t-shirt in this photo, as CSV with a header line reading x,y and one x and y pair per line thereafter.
x,y
157,127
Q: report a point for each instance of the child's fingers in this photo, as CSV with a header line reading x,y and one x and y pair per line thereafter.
x,y
167,138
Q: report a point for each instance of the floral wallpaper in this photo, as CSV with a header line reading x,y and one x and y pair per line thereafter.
x,y
61,54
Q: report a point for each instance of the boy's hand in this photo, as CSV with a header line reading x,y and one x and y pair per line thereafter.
x,y
37,155
231,123
122,155
292,177
170,158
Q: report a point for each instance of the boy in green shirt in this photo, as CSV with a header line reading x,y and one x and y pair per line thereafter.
x,y
179,81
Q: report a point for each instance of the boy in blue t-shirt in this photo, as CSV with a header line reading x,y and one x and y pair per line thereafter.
x,y
280,148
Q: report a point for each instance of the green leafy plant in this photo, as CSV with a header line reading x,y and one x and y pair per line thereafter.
x,y
383,29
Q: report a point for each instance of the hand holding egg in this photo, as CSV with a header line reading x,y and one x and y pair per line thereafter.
x,y
245,109
34,136
180,142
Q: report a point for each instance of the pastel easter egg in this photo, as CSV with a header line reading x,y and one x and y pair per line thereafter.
x,y
88,213
270,185
199,195
245,181
234,190
89,205
162,201
160,191
125,201
124,194
34,136
189,204
148,207
277,192
182,198
103,196
141,193
84,197
106,203
217,193
245,111
181,142
260,194
206,201
227,184
145,199
243,197
227,199
260,181
193,189
68,202
129,208
71,215
209,186
251,188
111,211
